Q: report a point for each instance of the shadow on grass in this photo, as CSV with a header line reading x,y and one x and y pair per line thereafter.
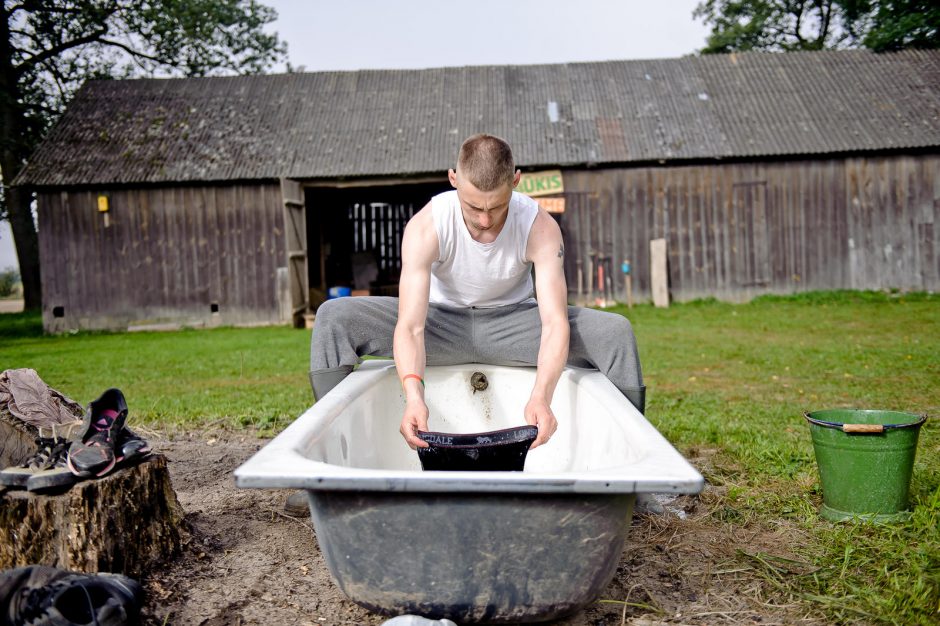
x,y
21,325
847,296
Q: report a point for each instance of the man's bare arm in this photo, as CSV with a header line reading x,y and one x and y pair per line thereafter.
x,y
546,250
420,249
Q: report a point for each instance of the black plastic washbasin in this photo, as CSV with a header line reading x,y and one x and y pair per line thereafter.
x,y
495,451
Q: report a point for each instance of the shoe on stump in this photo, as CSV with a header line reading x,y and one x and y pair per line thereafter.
x,y
130,447
94,454
50,453
56,474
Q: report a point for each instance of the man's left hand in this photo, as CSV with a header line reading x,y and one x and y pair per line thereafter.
x,y
538,413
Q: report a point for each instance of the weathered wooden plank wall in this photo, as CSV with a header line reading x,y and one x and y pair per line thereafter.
x,y
166,255
738,230
734,231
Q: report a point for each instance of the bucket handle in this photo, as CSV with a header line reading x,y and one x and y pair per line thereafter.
x,y
863,428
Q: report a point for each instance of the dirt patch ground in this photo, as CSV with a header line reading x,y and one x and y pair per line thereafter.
x,y
246,563
11,306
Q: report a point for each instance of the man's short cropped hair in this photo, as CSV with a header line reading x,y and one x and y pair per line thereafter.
x,y
486,162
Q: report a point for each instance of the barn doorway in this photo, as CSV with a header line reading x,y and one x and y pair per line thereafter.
x,y
354,235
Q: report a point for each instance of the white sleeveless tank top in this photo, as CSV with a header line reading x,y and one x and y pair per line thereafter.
x,y
468,273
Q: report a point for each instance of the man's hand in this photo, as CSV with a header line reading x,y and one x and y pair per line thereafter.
x,y
538,413
416,418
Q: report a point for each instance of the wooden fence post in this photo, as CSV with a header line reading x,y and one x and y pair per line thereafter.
x,y
659,276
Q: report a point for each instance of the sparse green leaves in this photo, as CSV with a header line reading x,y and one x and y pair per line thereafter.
x,y
898,24
48,48
787,25
56,45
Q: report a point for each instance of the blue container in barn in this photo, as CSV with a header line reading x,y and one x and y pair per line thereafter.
x,y
338,292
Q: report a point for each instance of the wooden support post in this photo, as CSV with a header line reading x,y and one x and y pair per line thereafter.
x,y
610,283
580,283
628,282
659,276
295,243
590,280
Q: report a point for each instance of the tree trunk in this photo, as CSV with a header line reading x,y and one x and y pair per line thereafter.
x,y
127,522
27,243
13,154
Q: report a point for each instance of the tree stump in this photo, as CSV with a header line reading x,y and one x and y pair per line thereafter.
x,y
17,439
127,523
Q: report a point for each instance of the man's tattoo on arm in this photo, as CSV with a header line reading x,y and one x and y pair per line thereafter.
x,y
561,251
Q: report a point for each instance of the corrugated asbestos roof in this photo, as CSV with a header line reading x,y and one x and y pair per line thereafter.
x,y
400,122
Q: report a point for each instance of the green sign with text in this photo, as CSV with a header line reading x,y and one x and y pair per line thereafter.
x,y
545,183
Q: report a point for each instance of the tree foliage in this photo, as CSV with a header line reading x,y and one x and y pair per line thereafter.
x,y
48,48
787,25
56,45
8,279
899,24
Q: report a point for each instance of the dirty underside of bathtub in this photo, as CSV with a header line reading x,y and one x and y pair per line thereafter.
x,y
471,546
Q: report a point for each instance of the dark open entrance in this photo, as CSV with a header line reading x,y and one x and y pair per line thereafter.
x,y
354,235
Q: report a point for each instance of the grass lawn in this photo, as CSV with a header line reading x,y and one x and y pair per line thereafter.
x,y
232,376
738,377
733,379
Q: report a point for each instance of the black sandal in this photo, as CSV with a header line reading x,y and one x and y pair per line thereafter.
x,y
495,451
94,454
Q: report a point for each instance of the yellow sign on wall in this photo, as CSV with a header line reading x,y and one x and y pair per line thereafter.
x,y
547,183
553,205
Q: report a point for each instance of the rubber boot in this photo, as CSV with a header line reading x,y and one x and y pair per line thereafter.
x,y
322,381
297,504
637,398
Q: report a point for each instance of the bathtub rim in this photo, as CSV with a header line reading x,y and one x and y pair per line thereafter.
x,y
280,464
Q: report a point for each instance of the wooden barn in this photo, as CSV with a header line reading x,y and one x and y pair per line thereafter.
x,y
242,200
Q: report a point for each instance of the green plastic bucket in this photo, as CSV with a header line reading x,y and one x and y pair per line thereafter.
x,y
865,460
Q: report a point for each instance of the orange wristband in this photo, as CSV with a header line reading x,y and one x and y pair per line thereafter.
x,y
407,376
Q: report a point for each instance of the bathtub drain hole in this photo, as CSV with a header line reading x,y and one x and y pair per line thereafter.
x,y
478,382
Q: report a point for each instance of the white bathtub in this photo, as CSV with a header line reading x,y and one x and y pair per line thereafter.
x,y
471,546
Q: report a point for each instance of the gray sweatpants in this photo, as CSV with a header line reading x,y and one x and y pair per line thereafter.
x,y
349,328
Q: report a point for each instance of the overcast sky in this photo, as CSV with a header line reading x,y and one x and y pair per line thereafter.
x,y
385,34
394,34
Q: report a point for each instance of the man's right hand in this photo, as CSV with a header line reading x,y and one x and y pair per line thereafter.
x,y
415,419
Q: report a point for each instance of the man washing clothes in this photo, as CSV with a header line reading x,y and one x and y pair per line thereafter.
x,y
466,295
